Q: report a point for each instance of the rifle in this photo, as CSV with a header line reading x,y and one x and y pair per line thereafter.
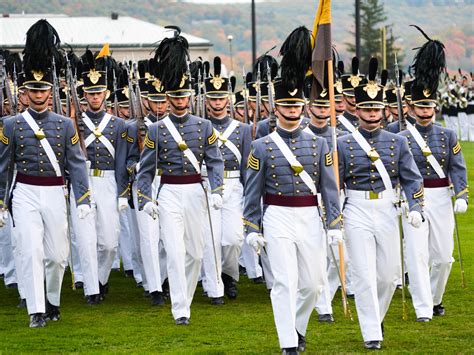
x,y
7,87
2,80
192,109
398,82
79,125
114,84
15,92
245,96
231,97
56,99
271,101
139,114
199,108
258,96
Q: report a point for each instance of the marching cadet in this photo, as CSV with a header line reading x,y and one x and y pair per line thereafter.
x,y
319,112
287,168
234,140
349,121
239,109
405,92
438,156
43,145
372,162
179,144
105,141
150,246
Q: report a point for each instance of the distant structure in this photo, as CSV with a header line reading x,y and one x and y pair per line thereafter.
x,y
128,37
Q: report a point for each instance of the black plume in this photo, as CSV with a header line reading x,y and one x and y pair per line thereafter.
x,y
373,66
217,66
233,82
143,68
13,63
89,57
171,58
355,66
122,78
340,68
248,77
263,62
429,63
297,52
384,77
207,68
195,68
109,65
400,77
42,45
274,70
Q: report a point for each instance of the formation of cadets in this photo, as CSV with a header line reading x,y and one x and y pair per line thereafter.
x,y
161,163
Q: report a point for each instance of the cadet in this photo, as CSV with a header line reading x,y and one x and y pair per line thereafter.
x,y
42,145
372,162
287,168
179,144
438,156
234,140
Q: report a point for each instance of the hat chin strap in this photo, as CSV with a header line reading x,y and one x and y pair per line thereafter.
x,y
424,117
293,119
367,121
322,118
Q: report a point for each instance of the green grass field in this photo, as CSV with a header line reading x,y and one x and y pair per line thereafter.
x,y
125,323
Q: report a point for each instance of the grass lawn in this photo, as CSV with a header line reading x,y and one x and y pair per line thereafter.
x,y
125,323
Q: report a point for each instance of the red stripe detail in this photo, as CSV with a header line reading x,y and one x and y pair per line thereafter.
x,y
40,180
436,182
181,179
290,201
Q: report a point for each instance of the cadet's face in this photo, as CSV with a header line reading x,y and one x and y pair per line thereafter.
x,y
145,106
39,98
239,114
369,118
340,106
158,108
217,106
288,116
394,111
124,112
23,98
253,106
178,105
423,115
321,113
95,100
349,103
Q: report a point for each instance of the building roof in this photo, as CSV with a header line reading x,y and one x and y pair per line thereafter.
x,y
124,31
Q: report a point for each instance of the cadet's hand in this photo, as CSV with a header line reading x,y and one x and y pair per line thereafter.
x,y
83,211
415,219
334,236
460,206
122,204
256,241
216,201
151,209
3,217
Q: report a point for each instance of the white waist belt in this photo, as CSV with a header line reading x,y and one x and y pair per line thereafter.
x,y
369,195
101,173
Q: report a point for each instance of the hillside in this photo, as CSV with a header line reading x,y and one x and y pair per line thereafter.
x,y
441,19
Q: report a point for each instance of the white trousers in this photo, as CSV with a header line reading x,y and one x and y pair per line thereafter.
x,y
7,259
182,210
373,244
295,247
148,247
41,235
249,260
440,217
463,126
107,223
228,239
84,248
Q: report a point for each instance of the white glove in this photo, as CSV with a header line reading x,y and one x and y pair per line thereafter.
x,y
83,211
216,201
3,217
256,241
460,206
122,204
137,167
415,219
334,236
151,209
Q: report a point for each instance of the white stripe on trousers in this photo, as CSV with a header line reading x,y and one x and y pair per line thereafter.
x,y
373,244
295,243
182,210
41,234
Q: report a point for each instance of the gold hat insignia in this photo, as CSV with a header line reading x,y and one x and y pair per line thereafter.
x,y
372,89
217,82
38,75
94,76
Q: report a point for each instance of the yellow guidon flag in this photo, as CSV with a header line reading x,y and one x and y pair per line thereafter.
x,y
322,50
104,52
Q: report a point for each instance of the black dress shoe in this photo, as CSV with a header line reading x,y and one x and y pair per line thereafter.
x,y
423,319
350,296
128,273
139,284
242,271
258,280
157,298
230,286
373,345
301,342
325,318
438,310
12,286
37,320
79,285
166,289
22,303
52,312
103,290
382,328
93,300
182,321
146,294
217,301
289,351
